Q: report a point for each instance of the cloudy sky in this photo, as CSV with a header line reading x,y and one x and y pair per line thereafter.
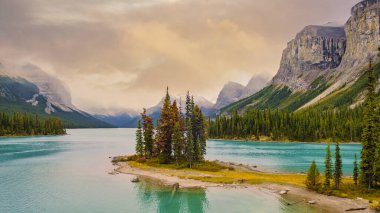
x,y
123,53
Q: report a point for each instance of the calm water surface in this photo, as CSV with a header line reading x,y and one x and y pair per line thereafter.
x,y
70,174
282,157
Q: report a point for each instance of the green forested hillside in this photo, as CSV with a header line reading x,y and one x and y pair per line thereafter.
x,y
278,97
281,98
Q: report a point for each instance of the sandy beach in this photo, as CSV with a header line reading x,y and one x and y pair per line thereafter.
x,y
324,202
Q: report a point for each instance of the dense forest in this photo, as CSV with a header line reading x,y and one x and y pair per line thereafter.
x,y
312,125
26,124
179,138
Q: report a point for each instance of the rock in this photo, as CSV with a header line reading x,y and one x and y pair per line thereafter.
x,y
359,198
311,202
283,192
313,51
135,180
356,209
230,93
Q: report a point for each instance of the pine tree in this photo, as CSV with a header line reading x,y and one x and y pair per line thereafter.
x,y
148,132
369,136
328,167
338,167
139,140
189,144
356,171
312,180
177,140
164,131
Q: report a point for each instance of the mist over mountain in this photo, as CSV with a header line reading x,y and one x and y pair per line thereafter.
x,y
29,89
233,91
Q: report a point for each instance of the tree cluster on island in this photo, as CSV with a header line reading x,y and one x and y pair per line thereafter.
x,y
29,125
367,174
178,138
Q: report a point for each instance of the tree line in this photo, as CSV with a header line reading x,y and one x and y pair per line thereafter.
x,y
27,124
179,137
310,125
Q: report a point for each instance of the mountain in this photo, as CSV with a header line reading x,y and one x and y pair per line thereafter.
x,y
230,93
255,84
233,92
322,63
18,94
118,118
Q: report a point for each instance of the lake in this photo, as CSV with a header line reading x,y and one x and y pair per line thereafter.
x,y
70,174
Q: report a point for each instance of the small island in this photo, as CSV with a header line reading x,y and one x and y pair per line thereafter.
x,y
174,151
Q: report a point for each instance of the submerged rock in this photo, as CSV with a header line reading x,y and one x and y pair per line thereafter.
x,y
312,202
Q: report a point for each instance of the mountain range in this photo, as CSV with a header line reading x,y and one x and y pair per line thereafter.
x,y
323,66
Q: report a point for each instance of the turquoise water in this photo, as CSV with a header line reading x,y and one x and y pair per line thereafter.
x,y
282,157
70,174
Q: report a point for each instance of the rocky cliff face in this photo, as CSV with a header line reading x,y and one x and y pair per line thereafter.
x,y
362,41
338,54
230,93
314,51
233,91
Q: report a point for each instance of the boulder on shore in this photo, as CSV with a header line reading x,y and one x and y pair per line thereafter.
x,y
135,180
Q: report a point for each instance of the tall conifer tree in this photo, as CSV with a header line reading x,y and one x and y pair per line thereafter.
x,y
139,140
370,135
148,132
356,171
338,167
328,167
164,131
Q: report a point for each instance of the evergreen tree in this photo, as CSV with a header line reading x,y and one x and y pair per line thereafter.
x,y
189,145
338,167
312,180
328,167
370,135
177,140
356,171
148,132
139,140
164,131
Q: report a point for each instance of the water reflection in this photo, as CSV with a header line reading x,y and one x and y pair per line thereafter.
x,y
157,198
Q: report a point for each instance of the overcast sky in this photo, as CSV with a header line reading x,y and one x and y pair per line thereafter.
x,y
123,53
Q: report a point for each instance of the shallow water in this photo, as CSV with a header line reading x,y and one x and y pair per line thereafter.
x,y
70,174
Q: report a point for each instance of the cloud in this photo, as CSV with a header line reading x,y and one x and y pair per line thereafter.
x,y
120,53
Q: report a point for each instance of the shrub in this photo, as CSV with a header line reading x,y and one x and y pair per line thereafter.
x,y
209,166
